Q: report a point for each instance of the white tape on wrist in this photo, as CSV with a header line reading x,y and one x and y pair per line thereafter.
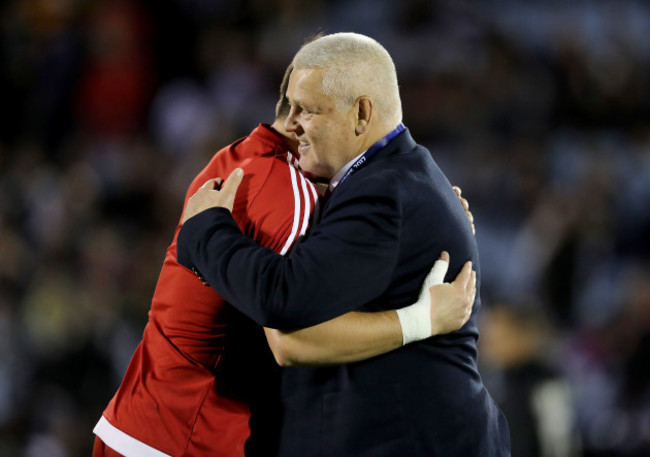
x,y
415,319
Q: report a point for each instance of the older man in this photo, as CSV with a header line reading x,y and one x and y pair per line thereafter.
x,y
202,381
389,206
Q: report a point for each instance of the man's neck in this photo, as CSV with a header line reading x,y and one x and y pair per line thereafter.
x,y
375,135
370,141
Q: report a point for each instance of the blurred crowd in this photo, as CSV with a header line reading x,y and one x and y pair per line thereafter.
x,y
538,110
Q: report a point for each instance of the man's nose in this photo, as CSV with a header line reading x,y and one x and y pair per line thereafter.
x,y
290,123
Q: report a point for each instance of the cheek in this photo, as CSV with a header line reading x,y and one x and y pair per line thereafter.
x,y
316,135
322,147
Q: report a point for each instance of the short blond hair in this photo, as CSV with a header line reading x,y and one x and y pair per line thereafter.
x,y
354,65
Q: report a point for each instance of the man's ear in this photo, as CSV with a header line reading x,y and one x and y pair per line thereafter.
x,y
364,114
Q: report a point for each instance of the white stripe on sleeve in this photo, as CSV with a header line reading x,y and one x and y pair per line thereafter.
x,y
305,193
125,444
296,209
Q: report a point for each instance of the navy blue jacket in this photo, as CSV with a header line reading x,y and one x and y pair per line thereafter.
x,y
380,232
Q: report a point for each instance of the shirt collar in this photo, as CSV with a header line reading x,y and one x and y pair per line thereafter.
x,y
342,173
339,174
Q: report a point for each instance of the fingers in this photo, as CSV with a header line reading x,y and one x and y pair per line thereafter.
x,y
452,304
438,271
229,188
473,287
465,205
215,183
211,183
233,181
470,216
462,200
208,196
470,287
470,299
465,275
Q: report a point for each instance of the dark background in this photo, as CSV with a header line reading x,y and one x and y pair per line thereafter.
x,y
538,110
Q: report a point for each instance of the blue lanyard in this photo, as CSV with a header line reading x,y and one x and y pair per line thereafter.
x,y
372,150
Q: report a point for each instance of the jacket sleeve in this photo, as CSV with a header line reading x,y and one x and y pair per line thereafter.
x,y
347,261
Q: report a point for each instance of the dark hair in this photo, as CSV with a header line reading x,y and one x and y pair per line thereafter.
x,y
283,107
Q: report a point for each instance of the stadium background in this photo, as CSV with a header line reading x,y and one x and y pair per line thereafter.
x,y
539,110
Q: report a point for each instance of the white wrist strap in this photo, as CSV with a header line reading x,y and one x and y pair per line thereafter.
x,y
415,319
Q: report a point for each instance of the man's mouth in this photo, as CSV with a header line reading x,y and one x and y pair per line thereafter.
x,y
302,146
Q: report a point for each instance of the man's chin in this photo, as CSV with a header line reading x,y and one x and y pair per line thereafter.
x,y
311,171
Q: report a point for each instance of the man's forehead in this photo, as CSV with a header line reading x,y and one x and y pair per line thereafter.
x,y
306,79
305,84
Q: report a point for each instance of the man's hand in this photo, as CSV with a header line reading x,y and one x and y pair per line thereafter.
x,y
441,307
451,303
466,207
209,197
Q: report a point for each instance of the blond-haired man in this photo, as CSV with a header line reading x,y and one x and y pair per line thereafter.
x,y
389,206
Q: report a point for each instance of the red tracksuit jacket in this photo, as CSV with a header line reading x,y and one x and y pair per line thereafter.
x,y
171,401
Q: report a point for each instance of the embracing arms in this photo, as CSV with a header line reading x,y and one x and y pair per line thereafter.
x,y
350,337
441,308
